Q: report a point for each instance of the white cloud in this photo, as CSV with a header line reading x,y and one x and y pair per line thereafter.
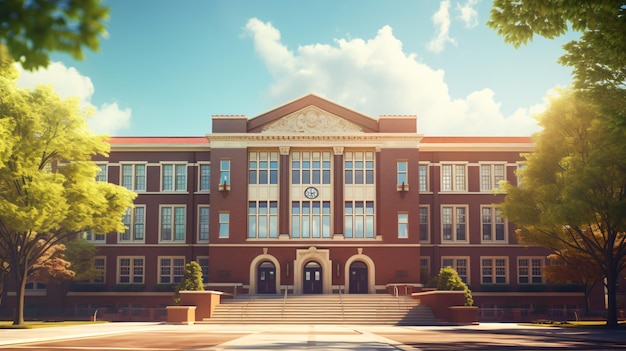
x,y
441,20
377,77
67,81
468,14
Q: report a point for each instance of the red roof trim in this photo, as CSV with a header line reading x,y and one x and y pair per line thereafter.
x,y
476,139
187,140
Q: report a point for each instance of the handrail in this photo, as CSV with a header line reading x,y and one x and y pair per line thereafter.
x,y
285,300
343,312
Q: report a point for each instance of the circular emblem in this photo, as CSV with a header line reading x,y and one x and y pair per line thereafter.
x,y
311,193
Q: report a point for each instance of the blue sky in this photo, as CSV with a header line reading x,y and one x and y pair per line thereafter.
x,y
167,66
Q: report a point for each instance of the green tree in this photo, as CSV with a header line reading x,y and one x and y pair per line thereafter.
x,y
192,280
32,29
574,266
48,187
573,190
449,279
598,58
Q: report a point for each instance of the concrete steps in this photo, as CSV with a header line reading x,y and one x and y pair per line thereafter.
x,y
323,309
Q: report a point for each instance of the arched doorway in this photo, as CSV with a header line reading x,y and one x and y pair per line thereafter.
x,y
312,278
358,278
266,278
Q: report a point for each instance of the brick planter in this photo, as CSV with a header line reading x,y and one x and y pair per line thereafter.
x,y
204,300
181,314
463,314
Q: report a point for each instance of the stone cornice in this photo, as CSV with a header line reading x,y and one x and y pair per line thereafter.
x,y
390,140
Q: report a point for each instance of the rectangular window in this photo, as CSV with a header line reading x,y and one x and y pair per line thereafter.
x,y
424,224
99,266
453,177
224,218
173,177
490,176
203,261
519,172
263,219
424,177
460,264
454,223
224,172
203,223
173,223
171,269
492,225
359,219
102,175
359,167
134,177
134,221
493,270
310,167
402,171
205,177
425,272
263,167
93,237
310,219
130,270
403,225
530,270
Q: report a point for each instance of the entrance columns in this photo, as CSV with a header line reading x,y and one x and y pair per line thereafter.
x,y
312,254
371,270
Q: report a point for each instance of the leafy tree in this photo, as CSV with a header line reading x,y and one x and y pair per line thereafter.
x,y
573,190
449,279
32,29
574,266
192,280
598,58
48,187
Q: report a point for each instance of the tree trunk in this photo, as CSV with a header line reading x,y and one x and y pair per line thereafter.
x,y
611,289
20,278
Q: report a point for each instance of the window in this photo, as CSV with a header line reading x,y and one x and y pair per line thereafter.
x,y
130,270
204,176
310,219
310,167
403,225
263,167
171,269
493,270
173,223
490,176
530,270
425,273
93,237
173,177
224,172
99,266
402,173
134,221
359,219
454,223
263,219
134,177
102,175
519,172
424,224
423,177
493,225
224,218
203,223
453,177
203,261
35,289
460,264
359,167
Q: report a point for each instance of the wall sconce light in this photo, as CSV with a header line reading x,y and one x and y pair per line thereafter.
x,y
338,270
224,188
402,188
287,269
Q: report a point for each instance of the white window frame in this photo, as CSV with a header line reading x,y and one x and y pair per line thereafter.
x,y
133,222
204,179
136,273
457,181
173,271
311,225
427,223
495,220
364,220
424,177
103,174
94,238
135,184
359,167
531,272
224,173
263,162
224,225
174,223
456,264
496,271
205,267
519,170
489,180
455,222
204,223
99,269
403,225
402,174
258,220
315,164
178,181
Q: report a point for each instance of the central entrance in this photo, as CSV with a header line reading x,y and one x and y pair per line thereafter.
x,y
312,278
358,278
266,278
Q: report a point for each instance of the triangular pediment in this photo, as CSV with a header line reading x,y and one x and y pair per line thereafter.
x,y
312,115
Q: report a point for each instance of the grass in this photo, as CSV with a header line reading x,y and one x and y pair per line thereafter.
x,y
43,324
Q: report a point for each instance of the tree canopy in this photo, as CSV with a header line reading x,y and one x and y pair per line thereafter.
x,y
573,190
48,187
32,29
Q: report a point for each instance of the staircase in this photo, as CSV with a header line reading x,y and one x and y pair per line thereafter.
x,y
323,309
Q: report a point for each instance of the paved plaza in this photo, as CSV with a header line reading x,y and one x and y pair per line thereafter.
x,y
164,337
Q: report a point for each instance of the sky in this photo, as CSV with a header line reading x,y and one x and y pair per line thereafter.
x,y
165,67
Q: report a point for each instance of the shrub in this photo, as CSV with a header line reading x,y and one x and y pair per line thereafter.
x,y
192,280
449,279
